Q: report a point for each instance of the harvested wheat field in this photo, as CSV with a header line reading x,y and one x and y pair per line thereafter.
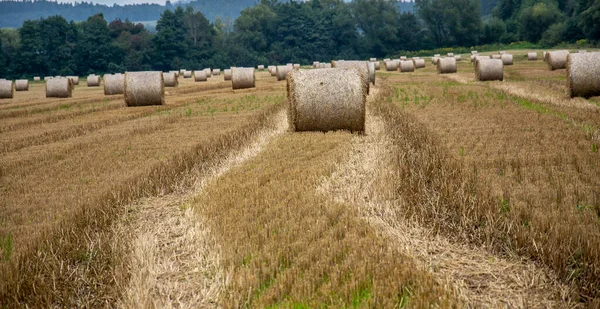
x,y
454,193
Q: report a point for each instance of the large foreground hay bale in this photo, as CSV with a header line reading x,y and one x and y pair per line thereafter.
x,y
372,72
36,79
144,88
216,72
531,56
407,66
227,74
419,63
557,59
61,87
583,74
7,89
282,71
392,65
507,59
170,79
200,76
446,65
74,79
327,99
489,69
93,81
242,78
361,65
22,85
114,84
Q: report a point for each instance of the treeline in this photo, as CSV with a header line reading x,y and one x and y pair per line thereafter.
x,y
273,32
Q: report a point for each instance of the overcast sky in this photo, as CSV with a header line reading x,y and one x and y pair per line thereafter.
x,y
121,2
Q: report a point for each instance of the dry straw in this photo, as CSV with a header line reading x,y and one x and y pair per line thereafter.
x,y
273,71
583,74
392,65
458,57
22,85
282,71
582,51
473,52
437,55
114,84
200,76
531,56
93,81
489,69
507,59
227,74
361,65
446,65
477,58
407,66
419,63
60,87
7,89
74,79
434,60
497,56
144,88
182,71
326,100
36,79
501,52
170,79
372,72
373,59
187,74
216,72
208,72
261,67
242,78
403,58
557,59
176,73
450,54
46,78
296,66
377,65
315,64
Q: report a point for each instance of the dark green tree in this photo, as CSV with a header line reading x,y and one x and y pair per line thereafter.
x,y
94,50
451,22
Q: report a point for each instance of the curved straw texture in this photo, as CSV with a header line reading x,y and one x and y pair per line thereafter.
x,y
489,69
434,60
22,85
377,65
446,65
59,87
507,59
531,56
74,79
36,79
7,89
114,84
407,66
282,71
557,59
93,81
477,58
170,79
371,72
361,65
583,74
273,70
200,76
261,67
208,72
216,72
497,56
242,78
144,88
187,74
227,74
392,65
419,63
326,100
458,57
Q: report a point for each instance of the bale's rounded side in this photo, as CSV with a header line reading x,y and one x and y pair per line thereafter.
x,y
507,59
557,59
261,67
74,79
326,100
361,65
583,74
7,89
296,66
227,74
392,65
372,72
373,59
407,66
22,85
93,81
458,57
446,65
386,59
419,63
216,72
187,74
489,69
144,88
114,84
531,56
37,79
377,65
403,58
60,87
200,76
242,78
208,72
434,60
170,79
450,54
474,52
282,71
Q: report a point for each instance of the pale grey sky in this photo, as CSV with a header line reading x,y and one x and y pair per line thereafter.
x,y
120,2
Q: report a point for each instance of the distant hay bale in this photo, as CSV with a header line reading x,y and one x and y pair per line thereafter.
x,y
501,52
208,72
407,66
227,74
473,52
507,59
74,79
403,58
187,74
242,78
391,65
22,85
36,79
450,54
61,87
446,65
271,69
458,57
175,72
531,56
377,65
489,69
544,56
46,78
200,76
315,64
274,71
282,71
182,71
170,79
419,63
261,67
7,89
477,58
324,66
373,59
437,55
216,72
434,60
93,81
144,88
583,74
114,84
296,65
326,100
416,58
361,65
386,59
497,56
557,59
582,51
371,72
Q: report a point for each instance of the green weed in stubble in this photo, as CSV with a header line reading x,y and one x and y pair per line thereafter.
x,y
6,246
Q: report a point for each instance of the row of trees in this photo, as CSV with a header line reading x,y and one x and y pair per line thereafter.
x,y
274,32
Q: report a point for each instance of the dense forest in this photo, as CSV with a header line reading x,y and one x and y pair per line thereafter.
x,y
275,32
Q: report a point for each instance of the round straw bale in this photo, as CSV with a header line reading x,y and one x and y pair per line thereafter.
x,y
403,58
477,58
22,85
497,56
114,84
407,66
544,56
361,65
557,59
446,65
489,69
282,71
325,100
507,59
208,72
93,81
290,64
216,72
416,58
450,54
473,52
386,59
144,88
501,52
583,74
74,79
170,79
531,56
419,63
182,71
176,73
434,60
47,78
437,55
373,59
582,51
377,65
227,74
60,87
261,67
296,66
200,76
391,65
242,78
315,63
187,74
458,57
36,79
371,72
7,89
